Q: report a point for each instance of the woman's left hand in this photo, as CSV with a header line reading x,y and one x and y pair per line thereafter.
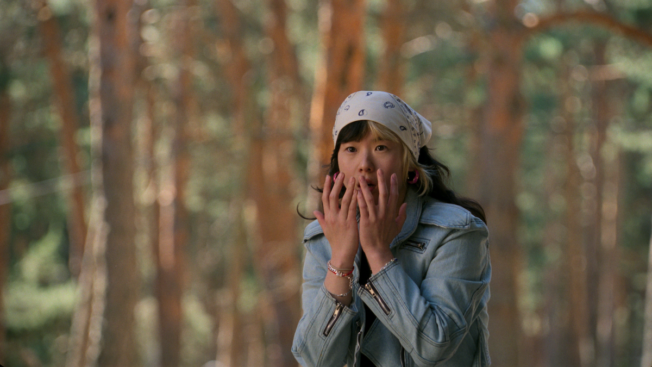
x,y
379,223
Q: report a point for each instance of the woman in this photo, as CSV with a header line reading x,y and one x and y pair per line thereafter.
x,y
397,267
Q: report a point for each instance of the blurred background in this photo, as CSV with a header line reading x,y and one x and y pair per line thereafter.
x,y
154,155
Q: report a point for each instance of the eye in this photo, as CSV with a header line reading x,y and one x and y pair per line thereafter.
x,y
349,149
381,148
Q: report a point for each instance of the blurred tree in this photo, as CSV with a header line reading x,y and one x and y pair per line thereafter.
x,y
5,179
580,347
646,358
231,346
392,64
339,73
502,128
174,223
64,96
272,180
111,114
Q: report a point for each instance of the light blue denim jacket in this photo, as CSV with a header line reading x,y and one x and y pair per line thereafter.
x,y
431,304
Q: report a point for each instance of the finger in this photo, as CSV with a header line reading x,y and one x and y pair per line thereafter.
x,y
402,214
368,198
362,204
354,202
393,195
346,199
325,193
382,192
320,217
334,196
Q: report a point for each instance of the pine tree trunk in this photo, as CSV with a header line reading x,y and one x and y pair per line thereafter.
x,y
112,115
231,347
272,183
391,74
65,102
646,358
340,72
502,130
580,345
605,225
173,212
5,209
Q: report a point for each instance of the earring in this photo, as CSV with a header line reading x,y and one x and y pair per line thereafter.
x,y
414,179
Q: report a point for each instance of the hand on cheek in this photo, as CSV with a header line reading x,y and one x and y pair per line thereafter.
x,y
379,223
339,220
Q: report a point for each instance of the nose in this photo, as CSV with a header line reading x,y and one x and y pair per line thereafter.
x,y
366,164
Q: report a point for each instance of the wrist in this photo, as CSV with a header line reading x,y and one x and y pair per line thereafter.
x,y
342,263
378,260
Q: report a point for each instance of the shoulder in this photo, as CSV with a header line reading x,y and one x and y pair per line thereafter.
x,y
452,216
312,230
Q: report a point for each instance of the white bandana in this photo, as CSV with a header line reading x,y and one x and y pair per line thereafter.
x,y
388,110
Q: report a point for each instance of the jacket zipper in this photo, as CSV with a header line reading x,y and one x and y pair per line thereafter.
x,y
419,245
402,357
334,317
374,293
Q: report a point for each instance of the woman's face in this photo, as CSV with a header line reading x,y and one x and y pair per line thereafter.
x,y
363,158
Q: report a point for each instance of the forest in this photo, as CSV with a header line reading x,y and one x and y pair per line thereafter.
x,y
157,156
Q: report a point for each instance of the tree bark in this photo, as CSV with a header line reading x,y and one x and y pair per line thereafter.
x,y
339,73
5,210
173,212
581,343
111,116
272,186
391,74
65,101
646,358
605,226
231,346
502,130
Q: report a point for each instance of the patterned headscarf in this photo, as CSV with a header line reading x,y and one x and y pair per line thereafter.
x,y
388,110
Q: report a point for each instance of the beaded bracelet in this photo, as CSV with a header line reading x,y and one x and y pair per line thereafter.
x,y
343,294
390,262
338,272
342,274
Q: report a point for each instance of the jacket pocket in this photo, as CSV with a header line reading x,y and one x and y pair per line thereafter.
x,y
336,315
416,244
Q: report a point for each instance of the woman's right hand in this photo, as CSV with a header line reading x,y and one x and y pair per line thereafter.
x,y
338,220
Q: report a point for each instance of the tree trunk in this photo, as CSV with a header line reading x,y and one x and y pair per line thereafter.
x,y
111,116
502,129
173,212
231,346
646,358
580,345
272,187
391,74
84,342
65,102
605,216
5,210
340,72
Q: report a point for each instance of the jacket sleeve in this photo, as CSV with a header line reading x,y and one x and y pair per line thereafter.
x,y
431,320
326,329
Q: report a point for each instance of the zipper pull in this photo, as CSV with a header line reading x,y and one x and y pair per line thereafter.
x,y
377,297
336,315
